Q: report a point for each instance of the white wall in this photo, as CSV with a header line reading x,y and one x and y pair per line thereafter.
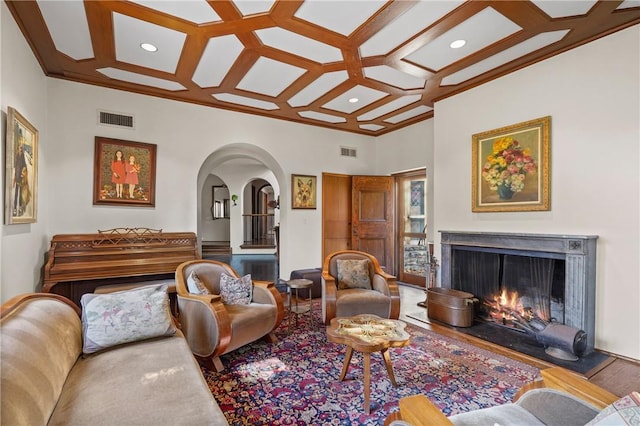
x,y
592,94
23,87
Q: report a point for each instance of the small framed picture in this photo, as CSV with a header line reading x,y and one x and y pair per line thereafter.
x,y
124,173
21,171
303,192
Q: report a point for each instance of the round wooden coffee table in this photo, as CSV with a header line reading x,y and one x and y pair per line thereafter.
x,y
367,334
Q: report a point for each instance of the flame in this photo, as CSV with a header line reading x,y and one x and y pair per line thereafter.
x,y
505,306
508,299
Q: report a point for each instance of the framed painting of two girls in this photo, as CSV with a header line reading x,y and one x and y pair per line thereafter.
x,y
124,173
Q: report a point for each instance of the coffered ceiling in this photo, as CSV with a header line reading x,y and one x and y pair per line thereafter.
x,y
309,61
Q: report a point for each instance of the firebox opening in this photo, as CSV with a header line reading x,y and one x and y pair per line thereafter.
x,y
520,291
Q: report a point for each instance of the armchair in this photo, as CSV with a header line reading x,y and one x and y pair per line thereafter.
x,y
381,297
213,328
559,397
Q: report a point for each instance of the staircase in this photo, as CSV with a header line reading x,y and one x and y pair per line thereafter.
x,y
215,247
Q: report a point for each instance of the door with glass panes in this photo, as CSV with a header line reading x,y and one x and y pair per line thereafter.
x,y
412,253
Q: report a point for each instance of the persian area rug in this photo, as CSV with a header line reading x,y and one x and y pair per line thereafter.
x,y
296,380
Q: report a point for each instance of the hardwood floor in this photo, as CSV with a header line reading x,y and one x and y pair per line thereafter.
x,y
617,375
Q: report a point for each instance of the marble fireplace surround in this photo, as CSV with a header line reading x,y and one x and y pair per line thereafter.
x,y
578,251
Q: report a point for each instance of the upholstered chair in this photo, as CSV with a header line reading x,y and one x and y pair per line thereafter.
x,y
558,397
213,322
354,283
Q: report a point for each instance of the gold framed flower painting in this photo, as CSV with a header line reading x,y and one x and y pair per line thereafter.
x,y
510,168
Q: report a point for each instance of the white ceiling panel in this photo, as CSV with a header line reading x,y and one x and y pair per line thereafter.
x,y
68,26
196,11
145,80
626,4
342,17
251,7
299,45
270,77
418,18
393,77
372,127
217,59
408,114
564,8
437,54
391,106
319,87
130,33
365,96
517,51
322,117
243,100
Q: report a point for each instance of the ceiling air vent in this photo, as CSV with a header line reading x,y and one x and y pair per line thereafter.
x,y
348,152
114,119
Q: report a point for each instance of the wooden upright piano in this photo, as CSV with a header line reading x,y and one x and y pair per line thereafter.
x,y
80,263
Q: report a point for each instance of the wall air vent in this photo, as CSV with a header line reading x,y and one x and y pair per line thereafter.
x,y
108,118
348,152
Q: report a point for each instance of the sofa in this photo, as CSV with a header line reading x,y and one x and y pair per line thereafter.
x,y
50,375
559,397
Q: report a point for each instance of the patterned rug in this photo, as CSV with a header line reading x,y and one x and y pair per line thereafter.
x,y
295,381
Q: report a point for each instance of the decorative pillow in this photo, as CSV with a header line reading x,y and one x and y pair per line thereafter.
x,y
125,316
353,273
195,284
236,291
625,411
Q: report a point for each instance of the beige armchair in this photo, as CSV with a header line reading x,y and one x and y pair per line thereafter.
x,y
559,397
381,298
213,328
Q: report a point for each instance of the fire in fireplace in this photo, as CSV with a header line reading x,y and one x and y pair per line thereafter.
x,y
513,289
507,309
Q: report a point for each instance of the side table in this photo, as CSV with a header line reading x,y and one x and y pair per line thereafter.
x,y
295,285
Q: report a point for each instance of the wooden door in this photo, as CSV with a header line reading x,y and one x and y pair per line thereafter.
x,y
336,213
372,218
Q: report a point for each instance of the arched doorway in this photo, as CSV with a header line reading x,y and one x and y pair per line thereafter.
x,y
216,211
259,217
237,165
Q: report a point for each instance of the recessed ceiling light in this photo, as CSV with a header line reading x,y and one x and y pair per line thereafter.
x,y
149,47
457,44
354,100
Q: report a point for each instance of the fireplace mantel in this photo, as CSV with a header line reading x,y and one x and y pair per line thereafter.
x,y
578,251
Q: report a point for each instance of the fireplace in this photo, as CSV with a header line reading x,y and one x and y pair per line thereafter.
x,y
552,275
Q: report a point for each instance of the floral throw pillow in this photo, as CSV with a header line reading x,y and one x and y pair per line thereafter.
x,y
236,291
625,411
353,273
125,316
195,284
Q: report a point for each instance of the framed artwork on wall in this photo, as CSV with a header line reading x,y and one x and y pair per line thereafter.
x,y
124,173
21,171
303,192
510,168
